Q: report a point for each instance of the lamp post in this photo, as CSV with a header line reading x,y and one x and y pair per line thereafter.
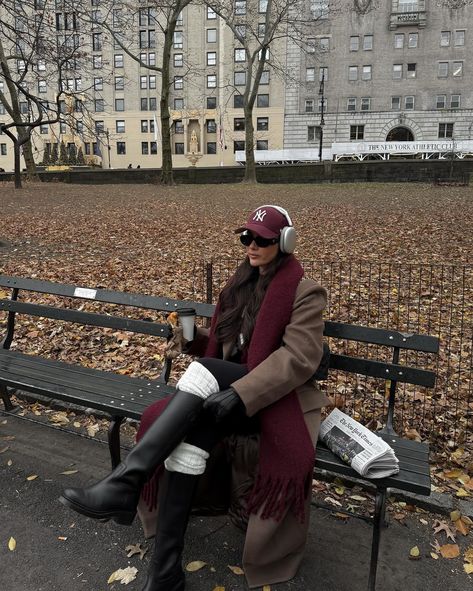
x,y
322,105
107,134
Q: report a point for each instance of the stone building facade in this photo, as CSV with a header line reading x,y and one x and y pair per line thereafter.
x,y
396,71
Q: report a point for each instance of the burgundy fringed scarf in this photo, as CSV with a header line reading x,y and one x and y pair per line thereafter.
x,y
287,454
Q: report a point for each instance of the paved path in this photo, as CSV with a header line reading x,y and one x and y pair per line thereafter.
x,y
337,554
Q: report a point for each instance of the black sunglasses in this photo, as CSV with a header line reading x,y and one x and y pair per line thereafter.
x,y
246,239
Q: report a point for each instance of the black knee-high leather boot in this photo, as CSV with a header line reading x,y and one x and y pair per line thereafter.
x,y
175,501
116,496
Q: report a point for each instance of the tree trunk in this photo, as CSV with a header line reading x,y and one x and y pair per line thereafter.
x,y
167,177
29,158
250,164
17,168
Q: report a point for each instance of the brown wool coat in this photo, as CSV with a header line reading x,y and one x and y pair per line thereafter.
x,y
273,550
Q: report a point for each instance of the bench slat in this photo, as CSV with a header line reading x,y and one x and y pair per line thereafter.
x,y
381,336
380,369
93,388
106,296
87,318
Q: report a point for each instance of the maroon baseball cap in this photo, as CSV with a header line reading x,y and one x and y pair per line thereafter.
x,y
266,221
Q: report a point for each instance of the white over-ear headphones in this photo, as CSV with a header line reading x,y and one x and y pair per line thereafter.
x,y
288,237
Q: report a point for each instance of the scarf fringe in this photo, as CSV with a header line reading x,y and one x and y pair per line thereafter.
x,y
276,496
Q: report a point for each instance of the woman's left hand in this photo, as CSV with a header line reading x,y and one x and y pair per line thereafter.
x,y
224,403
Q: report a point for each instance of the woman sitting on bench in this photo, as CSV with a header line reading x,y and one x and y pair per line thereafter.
x,y
253,384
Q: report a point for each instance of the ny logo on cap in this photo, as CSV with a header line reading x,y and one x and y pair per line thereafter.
x,y
259,215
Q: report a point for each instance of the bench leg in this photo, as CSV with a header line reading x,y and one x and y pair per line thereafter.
x,y
6,398
114,440
378,523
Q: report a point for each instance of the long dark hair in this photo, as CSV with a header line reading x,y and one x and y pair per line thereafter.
x,y
241,299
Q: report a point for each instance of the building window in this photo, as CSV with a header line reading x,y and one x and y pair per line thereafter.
x,y
395,103
262,123
97,42
153,148
143,82
144,126
121,148
238,101
262,30
239,78
211,35
211,58
99,105
443,69
366,74
120,82
397,71
211,81
319,8
120,126
118,60
211,102
459,38
179,148
262,6
239,55
152,82
178,126
411,70
152,103
455,101
309,105
98,83
144,148
211,147
177,40
365,103
310,74
264,77
445,130
261,144
44,128
409,102
324,44
3,149
413,40
239,124
457,69
444,38
238,145
99,126
353,73
143,104
441,101
398,40
354,43
42,86
97,62
357,132
178,103
178,60
178,83
211,15
323,73
368,42
240,7
211,126
262,100
351,103
313,133
319,104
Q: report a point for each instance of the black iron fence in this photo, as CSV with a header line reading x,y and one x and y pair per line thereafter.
x,y
431,299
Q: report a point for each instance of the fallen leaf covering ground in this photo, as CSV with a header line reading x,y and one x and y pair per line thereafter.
x,y
152,239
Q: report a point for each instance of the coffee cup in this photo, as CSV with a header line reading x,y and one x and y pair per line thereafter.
x,y
187,321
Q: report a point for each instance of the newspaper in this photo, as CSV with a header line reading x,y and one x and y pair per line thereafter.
x,y
366,453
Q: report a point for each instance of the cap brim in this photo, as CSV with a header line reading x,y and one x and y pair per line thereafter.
x,y
257,229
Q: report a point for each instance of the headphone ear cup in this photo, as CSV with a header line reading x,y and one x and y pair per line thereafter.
x,y
287,240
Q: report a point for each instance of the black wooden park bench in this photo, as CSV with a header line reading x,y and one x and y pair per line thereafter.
x,y
123,397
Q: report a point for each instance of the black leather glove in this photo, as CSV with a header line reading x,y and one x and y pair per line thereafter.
x,y
224,403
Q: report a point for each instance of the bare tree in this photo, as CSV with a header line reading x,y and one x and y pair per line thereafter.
x,y
262,29
123,24
38,61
